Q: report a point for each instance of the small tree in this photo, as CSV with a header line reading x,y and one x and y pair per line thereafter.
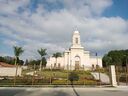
x,y
17,52
42,53
73,76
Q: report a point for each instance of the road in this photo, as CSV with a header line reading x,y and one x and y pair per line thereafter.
x,y
57,91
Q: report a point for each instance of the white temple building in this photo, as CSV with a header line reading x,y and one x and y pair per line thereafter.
x,y
76,58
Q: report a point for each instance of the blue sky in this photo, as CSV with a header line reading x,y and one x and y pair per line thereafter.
x,y
34,24
118,8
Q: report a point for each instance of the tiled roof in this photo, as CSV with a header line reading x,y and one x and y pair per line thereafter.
x,y
2,64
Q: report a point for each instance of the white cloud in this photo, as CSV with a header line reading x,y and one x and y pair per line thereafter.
x,y
10,42
53,30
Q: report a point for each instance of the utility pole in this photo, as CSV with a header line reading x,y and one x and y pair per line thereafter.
x,y
51,75
126,71
67,66
98,70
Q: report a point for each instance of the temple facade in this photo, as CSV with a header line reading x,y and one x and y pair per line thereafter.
x,y
76,58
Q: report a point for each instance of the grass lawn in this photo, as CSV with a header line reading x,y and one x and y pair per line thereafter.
x,y
54,77
60,73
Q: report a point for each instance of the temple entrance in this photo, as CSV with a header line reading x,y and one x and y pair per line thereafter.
x,y
77,63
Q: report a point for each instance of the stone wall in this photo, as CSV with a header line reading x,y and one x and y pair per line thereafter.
x,y
10,71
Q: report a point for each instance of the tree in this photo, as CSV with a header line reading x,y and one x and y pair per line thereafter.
x,y
73,76
26,62
56,55
2,59
42,53
17,52
7,59
44,62
34,64
107,60
116,57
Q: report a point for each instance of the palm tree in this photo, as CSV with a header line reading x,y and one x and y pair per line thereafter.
x,y
56,55
42,53
17,52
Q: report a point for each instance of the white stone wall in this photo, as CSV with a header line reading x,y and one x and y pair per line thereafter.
x,y
87,62
95,60
10,71
52,60
67,60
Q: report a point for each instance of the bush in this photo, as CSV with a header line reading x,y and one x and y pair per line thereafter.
x,y
73,76
59,82
6,82
123,78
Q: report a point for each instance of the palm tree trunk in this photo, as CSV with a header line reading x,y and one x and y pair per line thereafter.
x,y
16,70
56,62
15,61
40,65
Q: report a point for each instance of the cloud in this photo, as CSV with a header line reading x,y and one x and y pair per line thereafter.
x,y
10,42
52,28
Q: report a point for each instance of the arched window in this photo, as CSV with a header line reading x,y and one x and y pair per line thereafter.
x,y
58,65
54,64
76,40
77,62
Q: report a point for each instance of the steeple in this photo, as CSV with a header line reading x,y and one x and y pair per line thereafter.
x,y
76,39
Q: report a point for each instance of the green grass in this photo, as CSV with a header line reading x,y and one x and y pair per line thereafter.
x,y
60,74
44,77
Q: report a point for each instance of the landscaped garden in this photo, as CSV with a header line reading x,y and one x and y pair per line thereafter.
x,y
50,77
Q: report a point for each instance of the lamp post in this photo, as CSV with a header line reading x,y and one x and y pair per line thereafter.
x,y
51,75
98,67
126,69
67,66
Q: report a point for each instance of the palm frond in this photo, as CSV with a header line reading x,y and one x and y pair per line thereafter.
x,y
42,52
18,51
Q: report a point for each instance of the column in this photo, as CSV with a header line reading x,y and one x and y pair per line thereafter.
x,y
113,75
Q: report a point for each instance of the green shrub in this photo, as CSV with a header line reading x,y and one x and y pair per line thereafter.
x,y
59,82
123,78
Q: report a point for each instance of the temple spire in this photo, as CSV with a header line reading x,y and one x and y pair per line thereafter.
x,y
76,28
76,38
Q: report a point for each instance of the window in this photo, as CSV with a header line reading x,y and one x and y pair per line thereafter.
x,y
54,64
92,65
59,65
76,40
97,66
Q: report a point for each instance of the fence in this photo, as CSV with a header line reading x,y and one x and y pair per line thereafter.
x,y
122,75
55,77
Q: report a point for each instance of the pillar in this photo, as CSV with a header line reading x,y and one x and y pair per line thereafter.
x,y
113,75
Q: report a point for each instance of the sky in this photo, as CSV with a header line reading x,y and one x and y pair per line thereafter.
x,y
35,24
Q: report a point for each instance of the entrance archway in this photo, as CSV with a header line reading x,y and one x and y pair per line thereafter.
x,y
77,62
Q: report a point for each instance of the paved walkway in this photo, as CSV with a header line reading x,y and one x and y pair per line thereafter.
x,y
103,77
